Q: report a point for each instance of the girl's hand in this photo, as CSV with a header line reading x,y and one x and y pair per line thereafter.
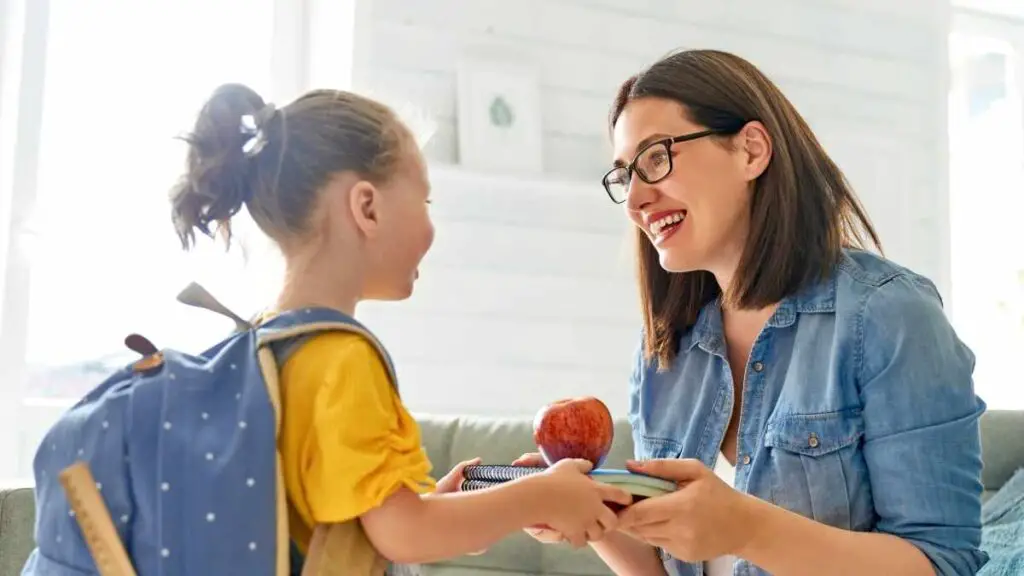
x,y
576,504
545,535
452,481
704,519
530,459
542,535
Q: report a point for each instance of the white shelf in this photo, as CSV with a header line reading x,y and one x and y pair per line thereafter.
x,y
456,174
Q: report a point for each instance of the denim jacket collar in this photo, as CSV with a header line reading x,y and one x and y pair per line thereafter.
x,y
708,332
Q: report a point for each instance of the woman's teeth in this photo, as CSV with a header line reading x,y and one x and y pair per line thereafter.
x,y
661,223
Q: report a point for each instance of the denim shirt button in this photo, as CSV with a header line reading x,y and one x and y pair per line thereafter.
x,y
758,366
746,458
813,440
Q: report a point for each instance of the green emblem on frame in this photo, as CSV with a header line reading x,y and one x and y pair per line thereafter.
x,y
501,113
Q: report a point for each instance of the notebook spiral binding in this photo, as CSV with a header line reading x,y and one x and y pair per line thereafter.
x,y
496,473
468,485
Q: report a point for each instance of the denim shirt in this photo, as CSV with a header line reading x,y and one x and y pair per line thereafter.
x,y
858,411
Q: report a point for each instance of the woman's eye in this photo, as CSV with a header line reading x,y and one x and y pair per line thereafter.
x,y
658,158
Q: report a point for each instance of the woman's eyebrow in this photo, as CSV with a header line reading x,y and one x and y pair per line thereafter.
x,y
619,163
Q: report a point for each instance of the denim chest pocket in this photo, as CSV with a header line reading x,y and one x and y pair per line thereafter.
x,y
653,447
814,464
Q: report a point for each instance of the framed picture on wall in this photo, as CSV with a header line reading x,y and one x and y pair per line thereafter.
x,y
499,115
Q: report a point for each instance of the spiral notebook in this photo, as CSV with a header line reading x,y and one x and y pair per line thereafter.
x,y
640,486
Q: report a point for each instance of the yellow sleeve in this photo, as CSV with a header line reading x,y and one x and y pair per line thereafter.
x,y
361,444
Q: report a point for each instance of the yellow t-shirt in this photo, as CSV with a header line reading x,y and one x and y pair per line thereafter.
x,y
347,442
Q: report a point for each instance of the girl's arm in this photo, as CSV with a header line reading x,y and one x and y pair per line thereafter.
x,y
411,529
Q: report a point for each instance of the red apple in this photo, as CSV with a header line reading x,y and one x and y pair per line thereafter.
x,y
574,428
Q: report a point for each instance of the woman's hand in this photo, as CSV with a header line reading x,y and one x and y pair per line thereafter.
x,y
705,518
452,481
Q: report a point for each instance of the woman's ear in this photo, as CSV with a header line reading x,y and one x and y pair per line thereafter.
x,y
756,146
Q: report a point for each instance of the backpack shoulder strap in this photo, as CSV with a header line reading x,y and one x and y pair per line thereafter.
x,y
276,339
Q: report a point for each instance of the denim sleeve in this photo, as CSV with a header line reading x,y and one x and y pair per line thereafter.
x,y
922,442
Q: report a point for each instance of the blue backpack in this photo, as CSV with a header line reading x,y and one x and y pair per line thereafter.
x,y
183,451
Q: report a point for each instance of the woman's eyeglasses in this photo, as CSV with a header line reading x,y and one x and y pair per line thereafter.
x,y
652,164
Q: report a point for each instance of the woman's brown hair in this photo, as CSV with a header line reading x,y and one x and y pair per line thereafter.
x,y
803,211
243,151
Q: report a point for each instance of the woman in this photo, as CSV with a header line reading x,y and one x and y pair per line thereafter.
x,y
810,397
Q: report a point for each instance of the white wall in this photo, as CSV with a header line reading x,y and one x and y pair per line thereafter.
x,y
557,316
525,297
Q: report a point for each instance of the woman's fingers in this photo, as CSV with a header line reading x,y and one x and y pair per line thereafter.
x,y
676,470
651,510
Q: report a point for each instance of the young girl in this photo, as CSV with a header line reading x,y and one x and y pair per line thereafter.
x,y
338,182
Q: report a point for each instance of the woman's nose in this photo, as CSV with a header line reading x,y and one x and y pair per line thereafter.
x,y
640,193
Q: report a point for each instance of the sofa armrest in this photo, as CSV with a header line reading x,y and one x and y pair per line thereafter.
x,y
17,520
1002,446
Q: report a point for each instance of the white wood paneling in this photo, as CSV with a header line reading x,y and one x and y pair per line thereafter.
x,y
527,293
539,273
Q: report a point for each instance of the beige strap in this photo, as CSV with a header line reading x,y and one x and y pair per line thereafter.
x,y
334,548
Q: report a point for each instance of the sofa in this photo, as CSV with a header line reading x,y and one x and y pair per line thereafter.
x,y
449,440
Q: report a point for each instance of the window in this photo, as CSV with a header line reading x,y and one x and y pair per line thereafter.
x,y
987,198
103,253
90,221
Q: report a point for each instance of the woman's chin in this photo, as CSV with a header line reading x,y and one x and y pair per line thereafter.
x,y
676,263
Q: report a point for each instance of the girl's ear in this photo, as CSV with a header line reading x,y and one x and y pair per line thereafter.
x,y
364,203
